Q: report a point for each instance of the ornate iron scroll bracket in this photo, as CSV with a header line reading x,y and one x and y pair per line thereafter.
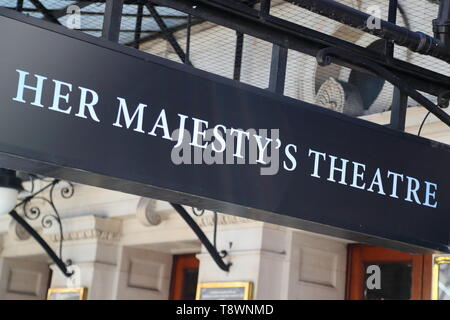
x,y
217,257
32,212
333,55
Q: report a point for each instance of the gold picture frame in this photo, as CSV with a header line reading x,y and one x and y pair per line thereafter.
x,y
247,288
437,262
67,293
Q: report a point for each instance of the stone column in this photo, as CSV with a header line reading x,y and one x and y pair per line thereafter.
x,y
281,263
258,254
91,243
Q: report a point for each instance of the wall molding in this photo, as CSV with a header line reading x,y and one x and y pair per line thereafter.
x,y
222,219
90,234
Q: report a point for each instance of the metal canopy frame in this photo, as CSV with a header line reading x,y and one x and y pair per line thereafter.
x,y
47,14
286,34
241,16
147,34
168,35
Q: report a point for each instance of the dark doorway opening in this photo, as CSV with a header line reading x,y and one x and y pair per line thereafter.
x,y
402,276
184,277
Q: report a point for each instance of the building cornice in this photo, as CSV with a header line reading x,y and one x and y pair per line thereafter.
x,y
89,234
222,219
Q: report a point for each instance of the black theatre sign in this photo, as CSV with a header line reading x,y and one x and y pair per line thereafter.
x,y
83,109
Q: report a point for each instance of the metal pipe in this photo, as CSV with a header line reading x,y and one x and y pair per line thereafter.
x,y
415,41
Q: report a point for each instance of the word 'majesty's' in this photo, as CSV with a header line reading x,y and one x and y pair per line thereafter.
x,y
351,173
135,121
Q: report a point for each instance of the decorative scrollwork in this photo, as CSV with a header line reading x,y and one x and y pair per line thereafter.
x,y
32,212
47,221
68,191
198,212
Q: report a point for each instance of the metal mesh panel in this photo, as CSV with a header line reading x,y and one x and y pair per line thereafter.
x,y
213,49
172,19
297,15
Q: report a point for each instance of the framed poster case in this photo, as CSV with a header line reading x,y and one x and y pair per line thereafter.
x,y
67,293
441,278
225,291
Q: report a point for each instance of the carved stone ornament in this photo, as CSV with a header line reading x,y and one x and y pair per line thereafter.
x,y
91,234
146,213
18,232
222,219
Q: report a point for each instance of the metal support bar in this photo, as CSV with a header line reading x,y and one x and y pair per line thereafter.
x,y
238,56
398,110
327,56
19,6
264,10
61,265
112,20
138,29
167,33
392,18
188,37
278,69
293,36
47,14
202,237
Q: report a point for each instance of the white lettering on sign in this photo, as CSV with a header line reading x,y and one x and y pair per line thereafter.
x,y
214,142
422,193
